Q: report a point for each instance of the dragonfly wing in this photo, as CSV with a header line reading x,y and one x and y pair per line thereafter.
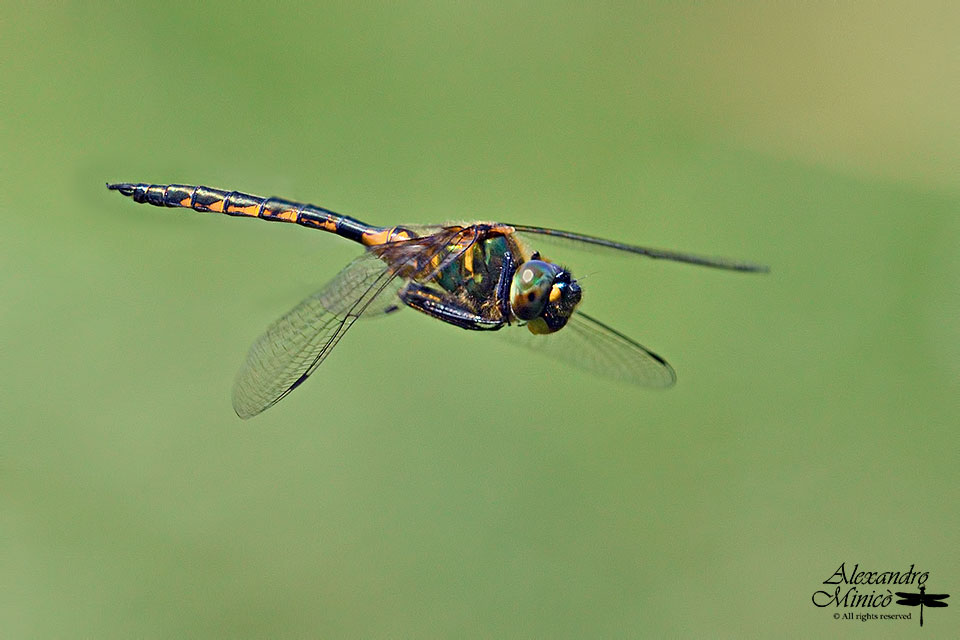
x,y
339,295
590,344
421,258
581,241
296,344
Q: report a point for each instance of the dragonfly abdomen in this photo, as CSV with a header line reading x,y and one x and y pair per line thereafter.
x,y
235,203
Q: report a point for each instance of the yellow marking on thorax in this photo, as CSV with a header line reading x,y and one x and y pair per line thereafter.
x,y
468,259
521,252
435,262
501,229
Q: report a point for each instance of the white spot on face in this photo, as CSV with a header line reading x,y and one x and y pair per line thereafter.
x,y
526,276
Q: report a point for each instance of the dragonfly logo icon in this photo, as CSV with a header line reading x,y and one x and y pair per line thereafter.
x,y
923,599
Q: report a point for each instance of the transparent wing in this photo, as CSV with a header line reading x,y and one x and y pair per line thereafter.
x,y
588,343
421,258
295,345
582,241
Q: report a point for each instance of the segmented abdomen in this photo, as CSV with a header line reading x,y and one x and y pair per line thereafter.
x,y
234,203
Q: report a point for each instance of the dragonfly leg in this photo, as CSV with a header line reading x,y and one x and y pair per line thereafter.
x,y
429,302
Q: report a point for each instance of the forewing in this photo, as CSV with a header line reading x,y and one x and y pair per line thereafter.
x,y
581,241
588,343
295,345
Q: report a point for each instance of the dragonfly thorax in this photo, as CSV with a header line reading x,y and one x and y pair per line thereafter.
x,y
544,295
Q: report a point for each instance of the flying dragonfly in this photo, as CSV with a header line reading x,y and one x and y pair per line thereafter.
x,y
481,276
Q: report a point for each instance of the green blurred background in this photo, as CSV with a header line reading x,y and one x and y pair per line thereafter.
x,y
458,486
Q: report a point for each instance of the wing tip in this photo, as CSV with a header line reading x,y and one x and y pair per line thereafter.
x,y
751,267
246,406
243,415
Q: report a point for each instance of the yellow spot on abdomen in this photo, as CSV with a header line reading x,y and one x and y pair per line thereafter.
x,y
375,238
252,210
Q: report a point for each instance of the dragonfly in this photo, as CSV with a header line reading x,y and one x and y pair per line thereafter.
x,y
481,276
923,599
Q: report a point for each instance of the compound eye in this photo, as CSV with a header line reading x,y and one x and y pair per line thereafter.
x,y
531,288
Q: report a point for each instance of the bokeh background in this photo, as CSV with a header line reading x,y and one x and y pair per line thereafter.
x,y
453,485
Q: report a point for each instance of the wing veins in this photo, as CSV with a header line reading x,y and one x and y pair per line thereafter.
x,y
656,254
251,392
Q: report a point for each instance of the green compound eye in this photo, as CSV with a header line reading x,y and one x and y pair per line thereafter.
x,y
531,288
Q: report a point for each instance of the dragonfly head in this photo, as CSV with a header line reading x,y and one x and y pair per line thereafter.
x,y
544,295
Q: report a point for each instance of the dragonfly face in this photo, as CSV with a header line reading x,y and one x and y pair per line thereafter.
x,y
478,276
544,295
